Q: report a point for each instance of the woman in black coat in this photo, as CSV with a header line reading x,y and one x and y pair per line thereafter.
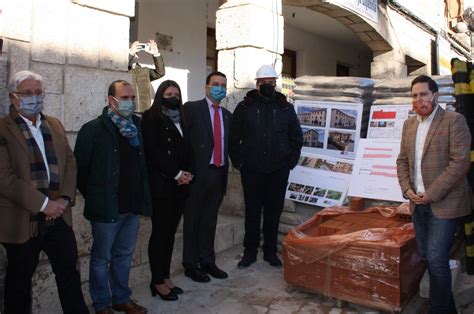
x,y
168,160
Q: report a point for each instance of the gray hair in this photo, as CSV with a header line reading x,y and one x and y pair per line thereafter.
x,y
21,76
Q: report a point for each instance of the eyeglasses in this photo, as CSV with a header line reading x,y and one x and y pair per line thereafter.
x,y
30,94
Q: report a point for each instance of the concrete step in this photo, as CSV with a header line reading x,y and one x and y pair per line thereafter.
x,y
229,233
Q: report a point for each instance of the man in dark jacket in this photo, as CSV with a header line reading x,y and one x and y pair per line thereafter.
x,y
208,125
265,143
112,177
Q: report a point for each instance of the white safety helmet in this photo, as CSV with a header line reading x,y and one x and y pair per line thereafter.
x,y
265,71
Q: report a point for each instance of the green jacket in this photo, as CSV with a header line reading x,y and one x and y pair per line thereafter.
x,y
98,170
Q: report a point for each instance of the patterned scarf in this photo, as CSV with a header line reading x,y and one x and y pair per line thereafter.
x,y
126,127
39,175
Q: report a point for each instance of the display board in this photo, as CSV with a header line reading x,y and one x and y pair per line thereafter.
x,y
375,170
330,128
319,180
387,121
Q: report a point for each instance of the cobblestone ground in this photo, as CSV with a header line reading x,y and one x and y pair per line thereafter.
x,y
261,289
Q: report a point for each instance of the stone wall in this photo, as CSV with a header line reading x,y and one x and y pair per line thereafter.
x,y
3,84
185,58
79,47
3,102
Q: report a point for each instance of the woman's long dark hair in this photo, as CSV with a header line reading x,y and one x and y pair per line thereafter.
x,y
158,101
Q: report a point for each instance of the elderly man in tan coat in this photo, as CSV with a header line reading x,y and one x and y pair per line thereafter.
x,y
37,188
432,166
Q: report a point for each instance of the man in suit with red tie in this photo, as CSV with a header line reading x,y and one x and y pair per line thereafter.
x,y
432,166
208,127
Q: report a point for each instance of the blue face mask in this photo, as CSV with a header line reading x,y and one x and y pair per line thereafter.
x,y
217,93
125,107
31,106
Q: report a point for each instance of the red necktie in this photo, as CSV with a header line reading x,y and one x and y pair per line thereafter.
x,y
217,137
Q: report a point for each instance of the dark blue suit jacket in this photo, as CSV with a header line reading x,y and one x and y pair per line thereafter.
x,y
201,135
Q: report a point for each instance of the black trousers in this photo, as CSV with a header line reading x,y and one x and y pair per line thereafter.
x,y
200,217
267,191
59,244
164,221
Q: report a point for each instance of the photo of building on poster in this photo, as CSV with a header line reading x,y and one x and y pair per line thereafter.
x,y
343,119
330,128
326,164
319,180
313,137
341,141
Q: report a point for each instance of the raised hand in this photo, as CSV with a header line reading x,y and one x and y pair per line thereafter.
x,y
134,48
152,48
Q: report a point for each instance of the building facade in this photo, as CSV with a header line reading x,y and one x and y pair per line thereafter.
x,y
343,120
316,117
80,46
311,138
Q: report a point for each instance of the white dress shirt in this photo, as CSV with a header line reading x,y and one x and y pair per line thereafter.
x,y
421,133
38,136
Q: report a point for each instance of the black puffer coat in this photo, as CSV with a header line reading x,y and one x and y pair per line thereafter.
x,y
265,135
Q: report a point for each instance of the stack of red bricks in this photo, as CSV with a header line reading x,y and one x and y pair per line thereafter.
x,y
361,257
348,223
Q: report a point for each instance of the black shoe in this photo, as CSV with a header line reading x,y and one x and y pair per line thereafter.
x,y
171,296
214,271
247,260
177,290
196,274
272,259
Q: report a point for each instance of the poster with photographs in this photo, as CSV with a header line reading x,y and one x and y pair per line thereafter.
x,y
375,170
330,128
319,180
386,121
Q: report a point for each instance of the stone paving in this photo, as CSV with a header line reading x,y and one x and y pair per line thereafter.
x,y
261,289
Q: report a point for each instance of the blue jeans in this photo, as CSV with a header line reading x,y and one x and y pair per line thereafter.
x,y
111,258
434,238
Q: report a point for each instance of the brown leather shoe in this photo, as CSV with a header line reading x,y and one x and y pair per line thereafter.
x,y
130,308
107,310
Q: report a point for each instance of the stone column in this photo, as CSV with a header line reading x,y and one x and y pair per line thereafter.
x,y
388,65
249,33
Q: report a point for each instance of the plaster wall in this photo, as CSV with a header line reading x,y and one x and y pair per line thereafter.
x,y
317,55
186,21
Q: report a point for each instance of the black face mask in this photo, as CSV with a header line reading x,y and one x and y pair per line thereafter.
x,y
171,103
267,90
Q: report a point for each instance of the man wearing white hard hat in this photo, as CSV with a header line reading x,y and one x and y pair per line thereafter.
x,y
265,144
